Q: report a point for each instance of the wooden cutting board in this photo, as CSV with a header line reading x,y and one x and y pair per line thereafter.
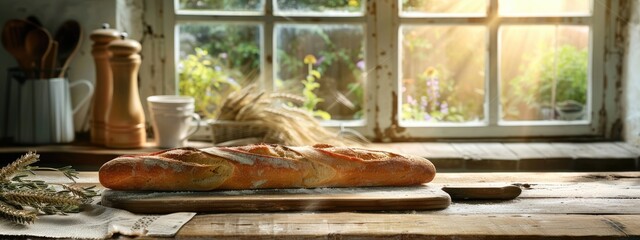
x,y
272,200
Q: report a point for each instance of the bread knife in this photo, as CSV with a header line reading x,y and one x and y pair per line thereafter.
x,y
483,193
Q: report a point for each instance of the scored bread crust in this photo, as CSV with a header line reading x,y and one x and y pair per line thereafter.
x,y
264,166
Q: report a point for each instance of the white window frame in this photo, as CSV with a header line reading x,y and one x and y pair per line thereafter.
x,y
382,80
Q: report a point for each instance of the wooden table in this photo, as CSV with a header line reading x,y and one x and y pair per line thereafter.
x,y
552,205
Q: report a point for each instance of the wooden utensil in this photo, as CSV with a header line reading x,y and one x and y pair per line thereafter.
x,y
69,38
49,62
14,35
38,44
482,193
48,65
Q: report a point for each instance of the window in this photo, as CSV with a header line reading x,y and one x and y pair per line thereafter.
x,y
406,69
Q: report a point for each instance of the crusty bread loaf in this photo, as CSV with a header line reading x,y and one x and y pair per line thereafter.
x,y
264,166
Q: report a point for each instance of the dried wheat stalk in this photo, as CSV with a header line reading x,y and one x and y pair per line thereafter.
x,y
22,200
288,125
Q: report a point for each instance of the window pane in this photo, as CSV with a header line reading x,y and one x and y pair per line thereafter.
x,y
215,60
223,5
325,65
443,73
319,8
546,79
443,7
544,7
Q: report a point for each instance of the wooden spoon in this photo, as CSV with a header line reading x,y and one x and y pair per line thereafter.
x,y
69,37
48,66
14,35
49,62
38,44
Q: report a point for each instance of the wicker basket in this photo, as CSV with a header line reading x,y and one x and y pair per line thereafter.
x,y
223,131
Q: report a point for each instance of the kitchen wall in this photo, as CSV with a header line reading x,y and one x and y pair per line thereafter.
x,y
89,13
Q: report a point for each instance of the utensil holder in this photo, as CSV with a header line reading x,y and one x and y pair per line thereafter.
x,y
45,114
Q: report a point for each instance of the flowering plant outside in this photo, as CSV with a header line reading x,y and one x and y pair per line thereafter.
x,y
428,99
208,80
321,6
311,100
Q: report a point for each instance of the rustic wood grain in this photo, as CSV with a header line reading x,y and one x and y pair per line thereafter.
x,y
624,189
570,150
485,151
628,147
547,150
403,226
277,200
524,150
597,206
629,224
568,205
487,157
441,150
605,151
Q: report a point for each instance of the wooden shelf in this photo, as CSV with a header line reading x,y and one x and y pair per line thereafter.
x,y
595,156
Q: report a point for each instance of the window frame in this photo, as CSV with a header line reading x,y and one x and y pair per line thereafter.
x,y
382,78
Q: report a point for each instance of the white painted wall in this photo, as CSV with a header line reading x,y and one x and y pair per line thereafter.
x,y
89,13
631,78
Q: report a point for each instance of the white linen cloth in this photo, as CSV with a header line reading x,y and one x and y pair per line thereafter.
x,y
98,222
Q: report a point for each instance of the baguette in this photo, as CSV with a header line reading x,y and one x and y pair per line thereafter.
x,y
263,166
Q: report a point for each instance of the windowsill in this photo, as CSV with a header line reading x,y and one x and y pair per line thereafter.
x,y
448,157
524,157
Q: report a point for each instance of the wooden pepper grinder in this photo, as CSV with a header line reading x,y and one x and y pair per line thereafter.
x,y
104,83
125,116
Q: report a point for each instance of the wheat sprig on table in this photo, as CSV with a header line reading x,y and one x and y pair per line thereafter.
x,y
27,197
18,165
85,194
22,200
18,216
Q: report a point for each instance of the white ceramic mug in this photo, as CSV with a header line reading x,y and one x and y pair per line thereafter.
x,y
171,118
45,114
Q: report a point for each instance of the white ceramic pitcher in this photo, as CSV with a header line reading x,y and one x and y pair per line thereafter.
x,y
45,114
